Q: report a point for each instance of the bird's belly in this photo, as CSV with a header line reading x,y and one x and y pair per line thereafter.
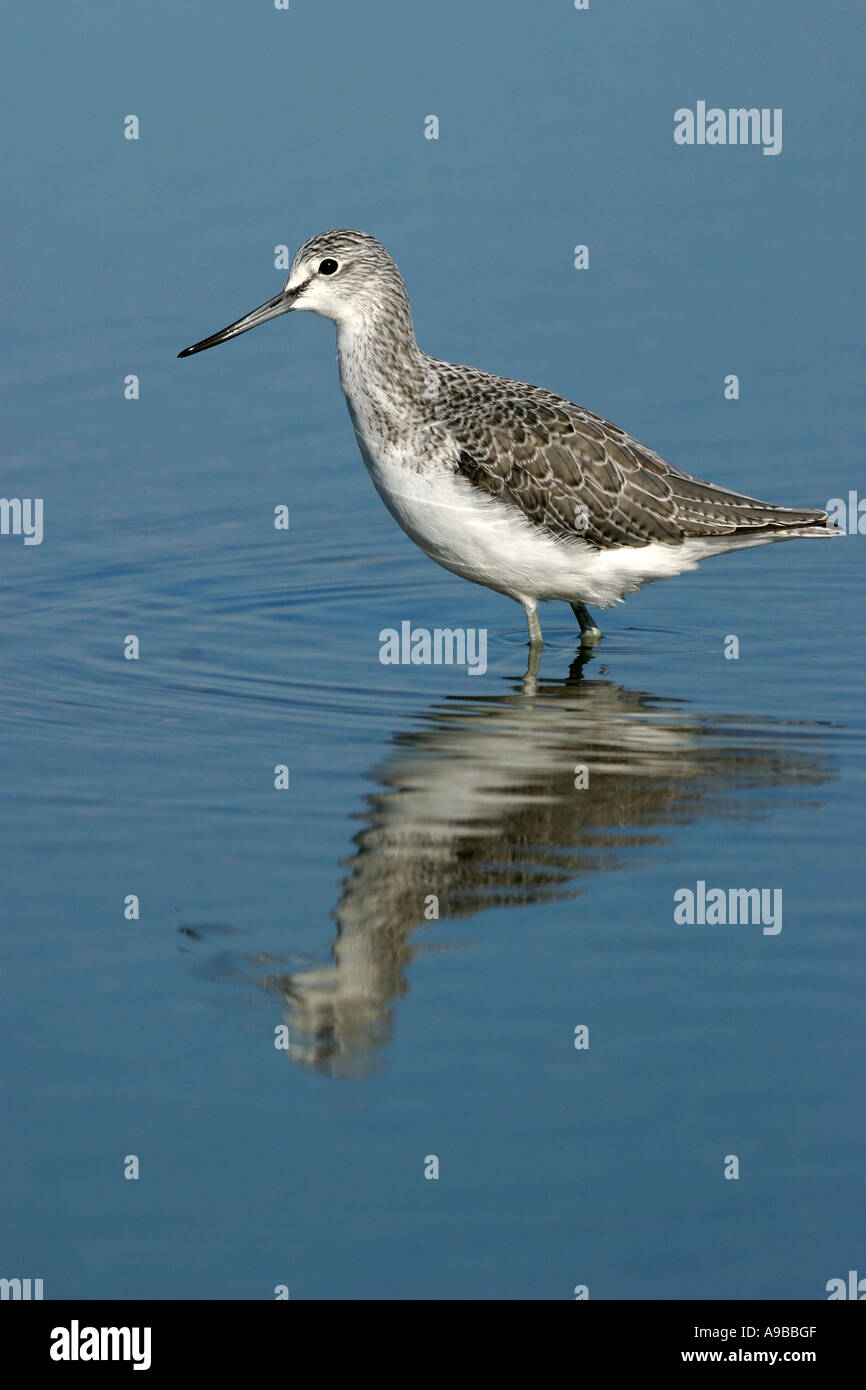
x,y
489,541
471,534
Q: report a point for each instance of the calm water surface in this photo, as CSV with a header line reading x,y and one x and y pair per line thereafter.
x,y
409,1036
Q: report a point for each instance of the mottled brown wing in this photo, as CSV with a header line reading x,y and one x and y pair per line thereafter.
x,y
576,474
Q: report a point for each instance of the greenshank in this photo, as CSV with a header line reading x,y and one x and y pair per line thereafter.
x,y
503,483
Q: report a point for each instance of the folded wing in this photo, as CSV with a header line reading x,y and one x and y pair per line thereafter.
x,y
576,474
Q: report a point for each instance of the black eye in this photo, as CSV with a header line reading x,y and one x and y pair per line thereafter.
x,y
328,267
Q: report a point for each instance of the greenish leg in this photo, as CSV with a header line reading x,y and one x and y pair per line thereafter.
x,y
535,637
533,666
588,630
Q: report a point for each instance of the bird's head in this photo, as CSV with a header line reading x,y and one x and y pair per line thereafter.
x,y
344,275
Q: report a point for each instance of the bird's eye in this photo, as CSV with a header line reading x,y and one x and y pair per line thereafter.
x,y
328,267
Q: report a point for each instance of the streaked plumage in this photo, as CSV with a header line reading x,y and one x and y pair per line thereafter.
x,y
507,484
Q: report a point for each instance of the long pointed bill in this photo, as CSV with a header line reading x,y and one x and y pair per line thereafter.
x,y
281,304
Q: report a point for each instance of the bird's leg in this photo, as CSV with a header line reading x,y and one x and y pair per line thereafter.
x,y
588,630
535,637
533,666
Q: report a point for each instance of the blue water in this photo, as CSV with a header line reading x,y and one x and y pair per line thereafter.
x,y
411,1037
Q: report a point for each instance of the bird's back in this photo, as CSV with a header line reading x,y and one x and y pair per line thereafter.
x,y
574,473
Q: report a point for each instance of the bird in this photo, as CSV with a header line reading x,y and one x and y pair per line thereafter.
x,y
503,483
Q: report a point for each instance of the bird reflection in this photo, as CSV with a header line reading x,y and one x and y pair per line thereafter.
x,y
516,798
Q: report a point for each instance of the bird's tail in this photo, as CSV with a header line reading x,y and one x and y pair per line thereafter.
x,y
786,522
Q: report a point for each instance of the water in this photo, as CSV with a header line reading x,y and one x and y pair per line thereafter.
x,y
413,1037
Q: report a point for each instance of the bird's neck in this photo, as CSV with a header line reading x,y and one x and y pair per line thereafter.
x,y
383,371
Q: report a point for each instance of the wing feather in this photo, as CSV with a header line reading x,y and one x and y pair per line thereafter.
x,y
576,474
